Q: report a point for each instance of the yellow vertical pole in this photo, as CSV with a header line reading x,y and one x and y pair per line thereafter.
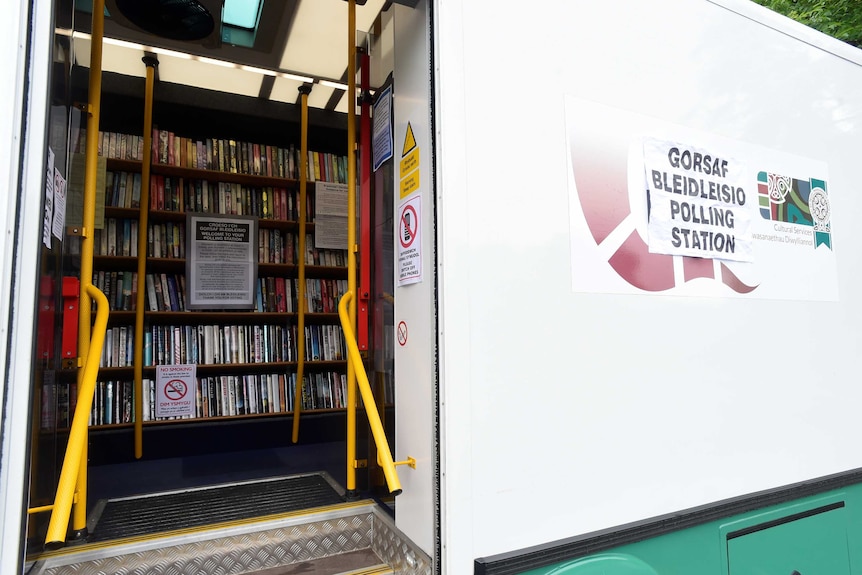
x,y
351,238
304,90
151,62
79,512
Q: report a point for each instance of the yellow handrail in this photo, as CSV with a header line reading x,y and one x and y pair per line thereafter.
x,y
350,480
66,491
150,62
384,454
304,90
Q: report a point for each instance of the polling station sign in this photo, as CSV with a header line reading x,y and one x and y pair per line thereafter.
x,y
698,202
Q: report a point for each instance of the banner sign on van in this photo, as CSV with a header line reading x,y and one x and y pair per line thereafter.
x,y
660,208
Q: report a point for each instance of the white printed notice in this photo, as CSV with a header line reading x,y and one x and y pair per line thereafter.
x,y
381,138
698,203
49,201
175,390
330,215
409,242
221,266
59,204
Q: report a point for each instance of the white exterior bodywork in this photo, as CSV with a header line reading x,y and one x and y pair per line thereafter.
x,y
564,412
414,302
25,44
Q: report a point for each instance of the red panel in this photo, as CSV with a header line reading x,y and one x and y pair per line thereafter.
x,y
364,285
45,330
70,318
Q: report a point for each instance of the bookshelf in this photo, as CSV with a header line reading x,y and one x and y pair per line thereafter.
x,y
246,361
200,114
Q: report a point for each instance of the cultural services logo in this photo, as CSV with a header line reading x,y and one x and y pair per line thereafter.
x,y
786,200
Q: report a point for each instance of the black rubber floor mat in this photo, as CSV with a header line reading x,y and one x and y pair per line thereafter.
x,y
158,513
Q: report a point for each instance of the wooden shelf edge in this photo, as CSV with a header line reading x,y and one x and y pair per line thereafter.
x,y
217,419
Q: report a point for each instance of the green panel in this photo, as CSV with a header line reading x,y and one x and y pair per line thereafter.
x,y
827,543
815,544
611,564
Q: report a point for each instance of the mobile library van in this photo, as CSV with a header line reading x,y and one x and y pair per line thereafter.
x,y
589,268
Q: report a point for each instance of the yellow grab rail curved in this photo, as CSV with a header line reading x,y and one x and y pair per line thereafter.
x,y
66,488
384,454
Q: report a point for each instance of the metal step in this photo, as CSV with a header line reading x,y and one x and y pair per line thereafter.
x,y
361,562
354,537
197,507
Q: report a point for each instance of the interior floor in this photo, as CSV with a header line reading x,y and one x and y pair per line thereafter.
x,y
151,476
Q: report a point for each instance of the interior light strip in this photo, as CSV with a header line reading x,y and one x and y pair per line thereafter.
x,y
205,60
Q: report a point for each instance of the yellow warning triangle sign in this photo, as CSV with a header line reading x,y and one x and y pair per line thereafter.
x,y
409,141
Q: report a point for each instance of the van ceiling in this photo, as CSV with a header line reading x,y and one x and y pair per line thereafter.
x,y
296,42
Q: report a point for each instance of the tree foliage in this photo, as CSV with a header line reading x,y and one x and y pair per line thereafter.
x,y
841,19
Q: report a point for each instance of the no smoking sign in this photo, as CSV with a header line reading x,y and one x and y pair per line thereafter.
x,y
173,386
402,333
176,389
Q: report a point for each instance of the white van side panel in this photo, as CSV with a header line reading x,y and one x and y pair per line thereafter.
x,y
567,411
25,46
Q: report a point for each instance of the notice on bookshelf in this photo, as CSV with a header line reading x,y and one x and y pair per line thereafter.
x,y
221,261
175,390
330,215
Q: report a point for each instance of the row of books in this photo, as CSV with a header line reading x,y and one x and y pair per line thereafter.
x,y
323,256
165,292
113,402
224,396
323,295
216,396
276,247
229,395
176,194
280,294
221,344
118,237
166,240
114,145
58,405
224,155
123,189
120,287
119,347
232,344
236,156
275,295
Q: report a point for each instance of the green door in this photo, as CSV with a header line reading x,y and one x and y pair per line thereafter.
x,y
810,543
